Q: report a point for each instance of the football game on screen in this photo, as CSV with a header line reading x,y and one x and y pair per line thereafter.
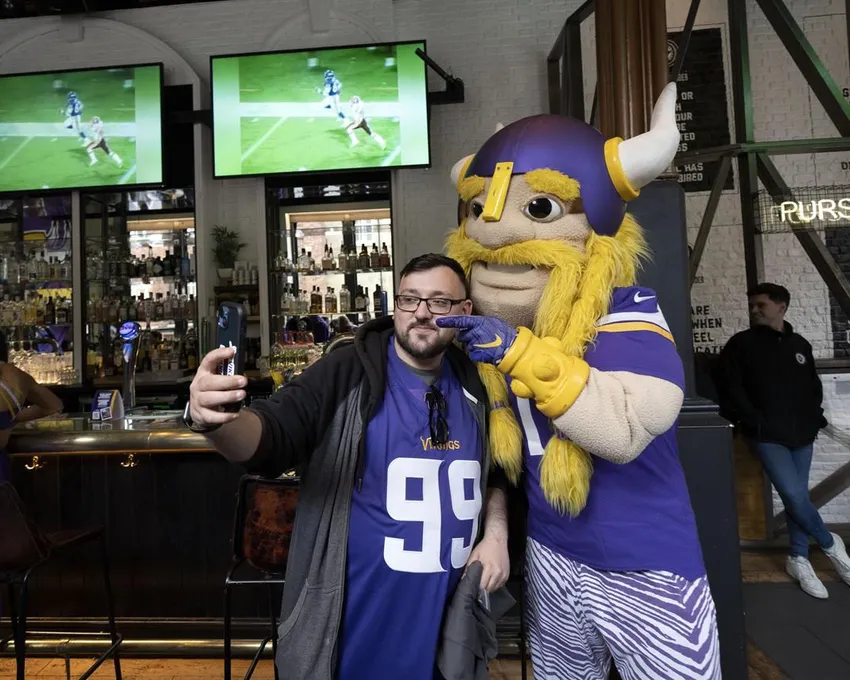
x,y
81,129
343,108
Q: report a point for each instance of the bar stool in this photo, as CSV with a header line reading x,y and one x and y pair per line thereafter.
x,y
265,513
23,549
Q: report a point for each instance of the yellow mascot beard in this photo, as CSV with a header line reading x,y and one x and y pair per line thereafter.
x,y
576,296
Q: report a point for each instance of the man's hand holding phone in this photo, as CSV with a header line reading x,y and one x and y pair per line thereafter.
x,y
211,393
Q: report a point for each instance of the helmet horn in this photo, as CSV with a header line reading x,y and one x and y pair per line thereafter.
x,y
459,168
641,159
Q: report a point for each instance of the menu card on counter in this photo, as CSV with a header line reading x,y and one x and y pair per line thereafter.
x,y
107,405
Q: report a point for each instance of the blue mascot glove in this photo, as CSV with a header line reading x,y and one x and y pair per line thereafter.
x,y
486,338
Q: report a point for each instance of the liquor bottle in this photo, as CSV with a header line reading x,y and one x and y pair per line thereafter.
x,y
49,312
168,265
343,259
122,309
168,307
61,312
344,300
376,301
358,300
159,312
330,301
111,315
385,256
363,261
303,262
332,258
140,308
374,257
366,301
326,260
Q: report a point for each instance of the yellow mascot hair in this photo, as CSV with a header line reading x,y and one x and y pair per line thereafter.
x,y
569,308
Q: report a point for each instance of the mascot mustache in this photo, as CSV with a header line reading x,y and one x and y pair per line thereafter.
x,y
576,295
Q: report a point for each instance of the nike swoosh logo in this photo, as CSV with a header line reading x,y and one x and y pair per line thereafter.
x,y
640,298
491,345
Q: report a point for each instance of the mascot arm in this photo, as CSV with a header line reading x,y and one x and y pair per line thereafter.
x,y
619,413
610,414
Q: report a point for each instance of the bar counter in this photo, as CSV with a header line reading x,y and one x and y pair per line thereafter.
x,y
167,503
154,433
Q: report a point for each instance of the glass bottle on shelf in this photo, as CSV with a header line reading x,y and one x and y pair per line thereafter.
x,y
330,301
374,257
343,259
363,261
385,257
358,299
326,260
366,301
376,301
344,300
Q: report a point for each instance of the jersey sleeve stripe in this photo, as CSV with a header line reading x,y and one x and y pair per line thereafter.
x,y
627,326
656,318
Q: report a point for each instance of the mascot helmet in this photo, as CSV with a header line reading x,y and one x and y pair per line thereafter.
x,y
610,173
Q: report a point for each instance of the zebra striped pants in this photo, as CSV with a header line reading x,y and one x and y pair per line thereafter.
x,y
656,625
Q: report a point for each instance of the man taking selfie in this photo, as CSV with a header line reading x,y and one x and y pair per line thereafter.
x,y
396,496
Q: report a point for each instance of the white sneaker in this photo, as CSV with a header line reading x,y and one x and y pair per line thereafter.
x,y
801,570
839,558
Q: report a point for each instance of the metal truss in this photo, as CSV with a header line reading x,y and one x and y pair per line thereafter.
x,y
566,95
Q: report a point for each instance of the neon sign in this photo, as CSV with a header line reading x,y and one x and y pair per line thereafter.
x,y
822,210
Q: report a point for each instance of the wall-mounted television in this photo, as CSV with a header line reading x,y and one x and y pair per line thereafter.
x,y
342,108
81,129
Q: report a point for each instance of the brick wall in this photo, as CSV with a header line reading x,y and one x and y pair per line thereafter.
x,y
499,48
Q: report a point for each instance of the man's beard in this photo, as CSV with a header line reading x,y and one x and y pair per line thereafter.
x,y
423,350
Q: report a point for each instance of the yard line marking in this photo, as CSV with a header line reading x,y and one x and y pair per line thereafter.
x,y
127,175
256,145
389,159
14,153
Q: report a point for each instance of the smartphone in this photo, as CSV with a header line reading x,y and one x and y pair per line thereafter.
x,y
231,324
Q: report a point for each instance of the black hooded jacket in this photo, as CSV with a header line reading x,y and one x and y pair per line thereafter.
x,y
767,386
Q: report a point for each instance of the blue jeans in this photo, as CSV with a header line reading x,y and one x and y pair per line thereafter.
x,y
788,469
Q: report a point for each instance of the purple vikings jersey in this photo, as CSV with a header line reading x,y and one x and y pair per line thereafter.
x,y
412,527
638,515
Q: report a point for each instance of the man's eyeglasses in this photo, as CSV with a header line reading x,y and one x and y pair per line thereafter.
x,y
437,417
437,305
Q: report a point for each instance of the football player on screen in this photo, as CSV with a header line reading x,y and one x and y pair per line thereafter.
x,y
331,91
99,142
73,112
358,120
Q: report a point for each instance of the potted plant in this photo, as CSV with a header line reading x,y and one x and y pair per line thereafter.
x,y
226,250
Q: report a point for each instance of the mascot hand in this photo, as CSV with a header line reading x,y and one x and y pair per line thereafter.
x,y
486,338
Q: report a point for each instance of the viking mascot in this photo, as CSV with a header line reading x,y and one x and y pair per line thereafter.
x,y
585,386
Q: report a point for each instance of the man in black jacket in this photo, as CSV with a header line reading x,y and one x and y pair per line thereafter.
x,y
395,497
769,388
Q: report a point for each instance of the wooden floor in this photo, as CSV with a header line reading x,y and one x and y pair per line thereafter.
x,y
180,669
763,575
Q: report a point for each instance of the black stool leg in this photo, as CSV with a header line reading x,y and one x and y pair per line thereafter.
x,y
110,605
274,629
21,630
523,654
227,613
13,610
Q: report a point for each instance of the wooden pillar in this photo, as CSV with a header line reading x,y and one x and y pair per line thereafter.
x,y
631,60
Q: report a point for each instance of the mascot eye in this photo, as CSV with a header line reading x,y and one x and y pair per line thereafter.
x,y
543,209
476,209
